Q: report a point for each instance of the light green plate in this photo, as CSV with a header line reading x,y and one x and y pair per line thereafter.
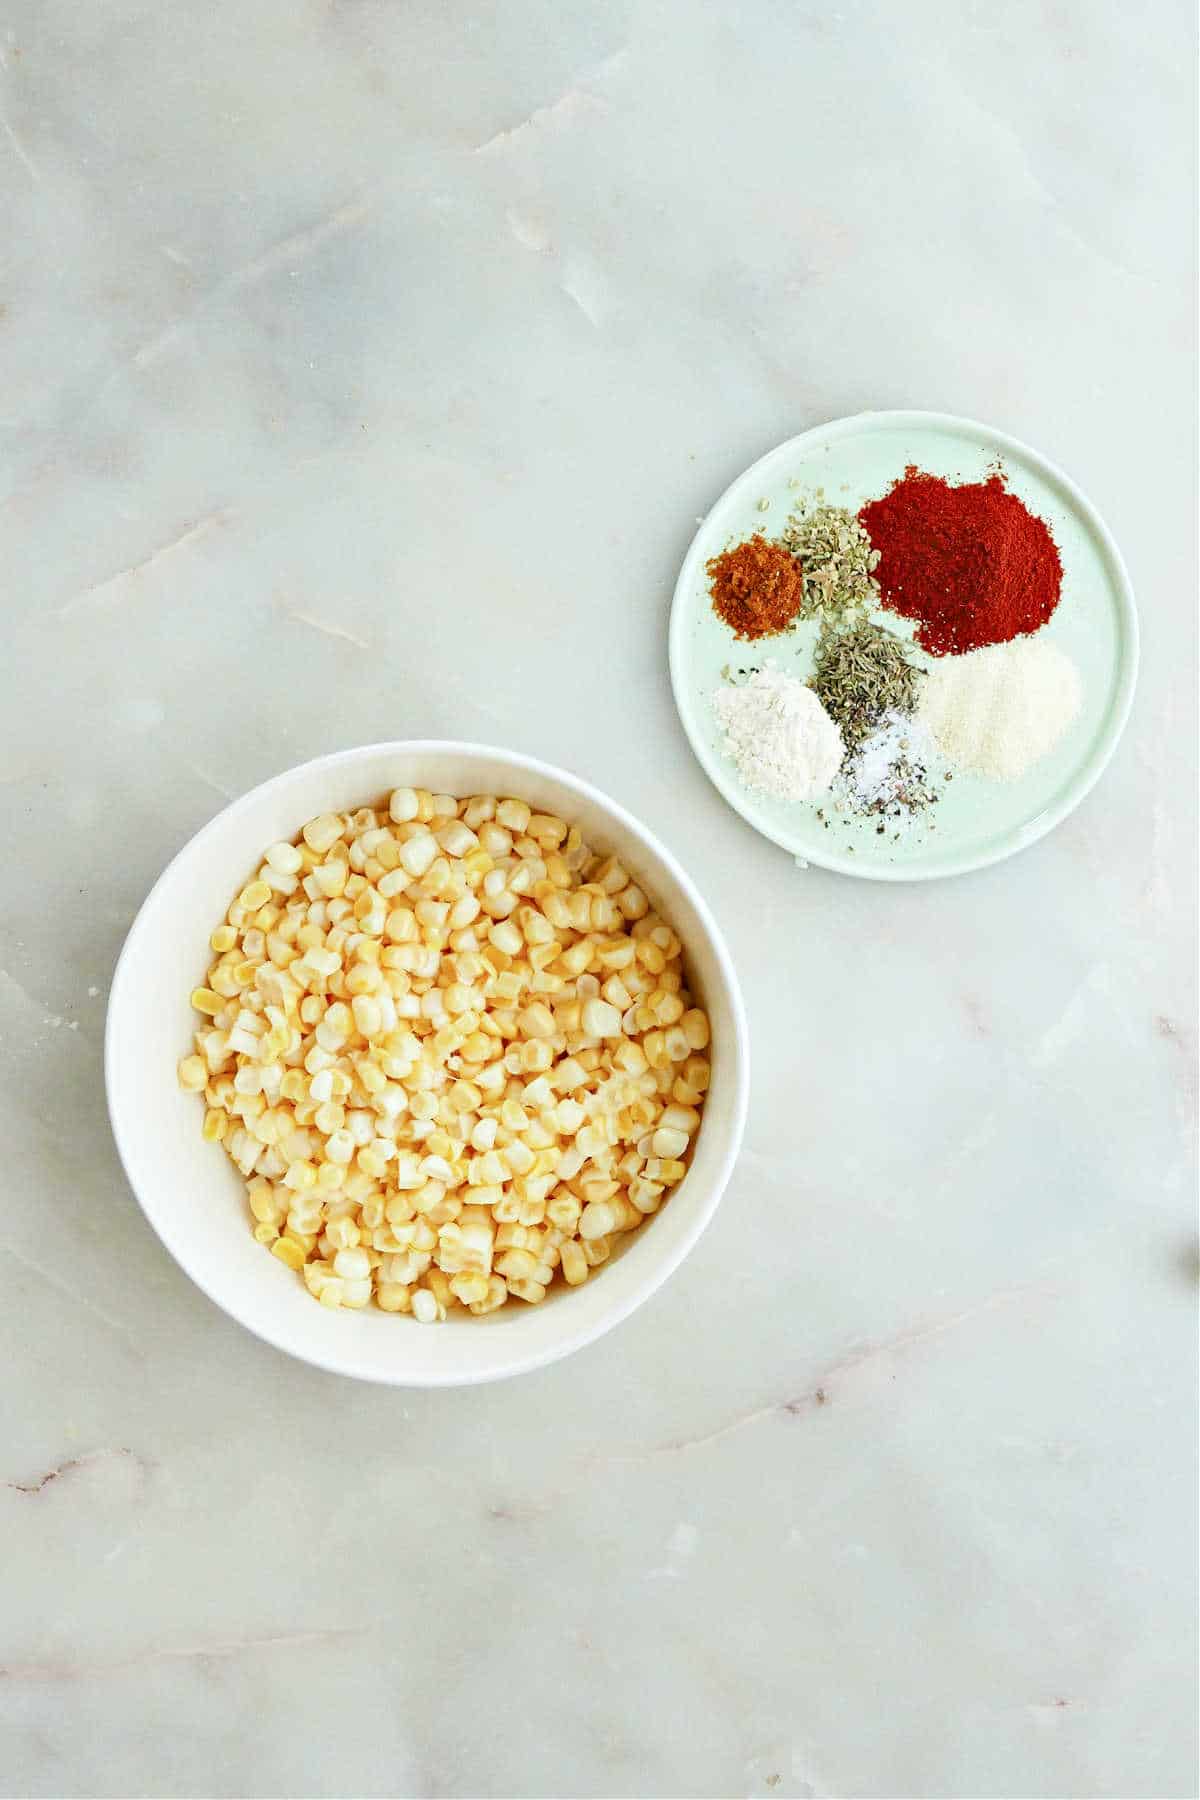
x,y
976,822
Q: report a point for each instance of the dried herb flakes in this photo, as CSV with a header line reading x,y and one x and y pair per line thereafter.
x,y
861,673
837,557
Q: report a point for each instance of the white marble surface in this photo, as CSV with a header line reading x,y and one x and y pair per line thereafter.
x,y
365,367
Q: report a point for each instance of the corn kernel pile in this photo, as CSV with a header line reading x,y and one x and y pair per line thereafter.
x,y
451,1051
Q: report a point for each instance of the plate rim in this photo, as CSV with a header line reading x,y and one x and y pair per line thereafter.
x,y
1085,778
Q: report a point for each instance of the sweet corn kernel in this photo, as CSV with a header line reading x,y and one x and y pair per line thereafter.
x,y
575,1265
193,1074
322,833
254,895
284,858
425,1307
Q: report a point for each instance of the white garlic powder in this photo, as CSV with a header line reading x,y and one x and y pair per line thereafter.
x,y
779,735
995,712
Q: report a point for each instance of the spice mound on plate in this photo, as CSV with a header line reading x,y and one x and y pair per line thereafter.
x,y
757,588
891,776
999,710
969,563
837,558
780,736
861,674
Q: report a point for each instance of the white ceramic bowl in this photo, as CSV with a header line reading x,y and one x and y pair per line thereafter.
x,y
195,1199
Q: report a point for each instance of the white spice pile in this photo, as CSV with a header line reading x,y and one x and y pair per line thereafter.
x,y
893,775
783,741
997,711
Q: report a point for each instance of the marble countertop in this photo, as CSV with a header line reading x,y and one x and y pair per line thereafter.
x,y
366,367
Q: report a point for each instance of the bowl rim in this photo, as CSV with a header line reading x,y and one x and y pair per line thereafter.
x,y
658,1273
1089,771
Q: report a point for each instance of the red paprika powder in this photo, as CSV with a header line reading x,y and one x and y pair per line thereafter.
x,y
970,564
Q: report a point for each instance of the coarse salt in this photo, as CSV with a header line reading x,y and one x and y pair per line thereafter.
x,y
892,774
